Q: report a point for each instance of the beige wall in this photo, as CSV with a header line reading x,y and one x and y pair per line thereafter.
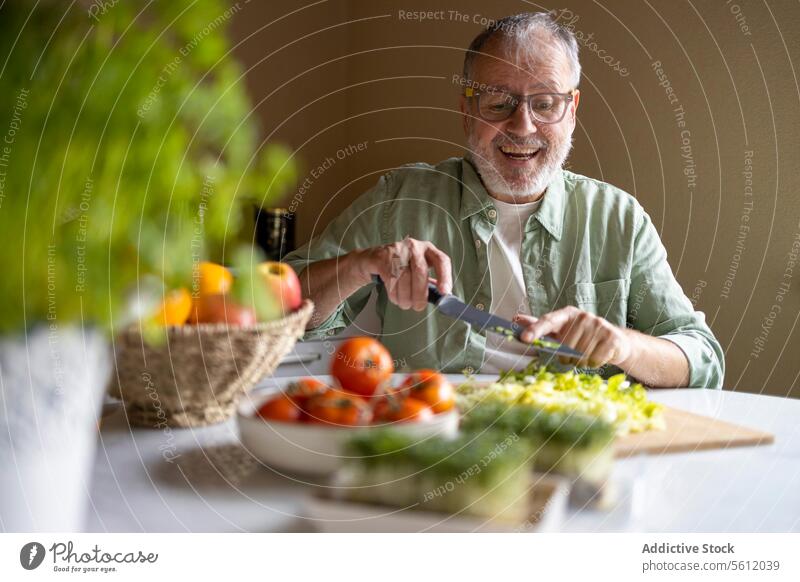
x,y
737,86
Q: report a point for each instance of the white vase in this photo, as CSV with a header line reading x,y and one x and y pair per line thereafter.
x,y
52,381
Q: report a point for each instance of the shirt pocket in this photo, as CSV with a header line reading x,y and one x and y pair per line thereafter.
x,y
608,299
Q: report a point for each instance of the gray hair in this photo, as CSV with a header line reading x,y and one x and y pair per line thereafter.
x,y
517,30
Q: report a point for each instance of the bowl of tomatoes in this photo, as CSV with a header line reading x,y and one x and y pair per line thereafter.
x,y
303,426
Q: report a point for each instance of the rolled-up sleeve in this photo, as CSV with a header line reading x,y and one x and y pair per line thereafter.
x,y
663,310
359,226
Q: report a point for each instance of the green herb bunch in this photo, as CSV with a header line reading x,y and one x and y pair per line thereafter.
x,y
487,475
495,454
567,443
567,429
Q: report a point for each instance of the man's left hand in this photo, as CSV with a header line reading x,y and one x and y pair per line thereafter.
x,y
600,341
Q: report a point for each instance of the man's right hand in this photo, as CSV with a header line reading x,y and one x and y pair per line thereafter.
x,y
403,266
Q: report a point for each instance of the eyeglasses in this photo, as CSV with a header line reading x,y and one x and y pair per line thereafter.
x,y
500,105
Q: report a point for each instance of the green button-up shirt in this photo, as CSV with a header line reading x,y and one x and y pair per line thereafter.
x,y
590,245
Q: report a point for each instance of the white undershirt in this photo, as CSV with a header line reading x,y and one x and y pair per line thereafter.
x,y
509,296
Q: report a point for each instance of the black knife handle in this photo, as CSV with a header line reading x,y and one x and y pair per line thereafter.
x,y
434,295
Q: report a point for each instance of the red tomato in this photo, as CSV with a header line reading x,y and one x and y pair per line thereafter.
x,y
396,409
432,388
304,388
361,365
338,408
281,408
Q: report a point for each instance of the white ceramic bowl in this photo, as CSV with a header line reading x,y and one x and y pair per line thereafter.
x,y
316,448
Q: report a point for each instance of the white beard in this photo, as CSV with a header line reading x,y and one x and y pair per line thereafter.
x,y
518,183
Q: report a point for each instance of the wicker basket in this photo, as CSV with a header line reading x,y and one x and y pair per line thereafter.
x,y
197,376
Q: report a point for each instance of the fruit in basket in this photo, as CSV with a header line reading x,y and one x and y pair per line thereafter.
x,y
361,365
283,283
175,308
430,387
209,280
222,309
338,408
400,409
212,279
281,407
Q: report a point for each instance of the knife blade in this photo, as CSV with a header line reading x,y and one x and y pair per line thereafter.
x,y
453,307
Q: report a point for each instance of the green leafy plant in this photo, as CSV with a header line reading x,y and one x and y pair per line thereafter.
x,y
126,147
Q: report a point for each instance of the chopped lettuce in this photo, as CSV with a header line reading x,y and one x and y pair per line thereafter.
x,y
616,401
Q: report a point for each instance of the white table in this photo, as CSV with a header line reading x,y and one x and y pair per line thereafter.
x,y
135,489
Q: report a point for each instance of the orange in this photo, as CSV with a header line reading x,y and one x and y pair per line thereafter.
x,y
175,308
213,279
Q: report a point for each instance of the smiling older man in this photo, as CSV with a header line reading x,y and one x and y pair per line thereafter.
x,y
507,229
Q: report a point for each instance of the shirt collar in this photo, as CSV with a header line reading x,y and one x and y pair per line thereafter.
x,y
551,212
475,198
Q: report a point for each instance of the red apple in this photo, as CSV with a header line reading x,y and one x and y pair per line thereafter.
x,y
222,309
282,282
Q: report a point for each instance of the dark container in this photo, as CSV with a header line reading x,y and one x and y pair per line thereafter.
x,y
274,232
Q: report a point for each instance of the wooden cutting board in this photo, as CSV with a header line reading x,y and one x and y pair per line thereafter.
x,y
689,432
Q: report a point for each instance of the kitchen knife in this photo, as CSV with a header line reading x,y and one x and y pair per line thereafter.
x,y
452,306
